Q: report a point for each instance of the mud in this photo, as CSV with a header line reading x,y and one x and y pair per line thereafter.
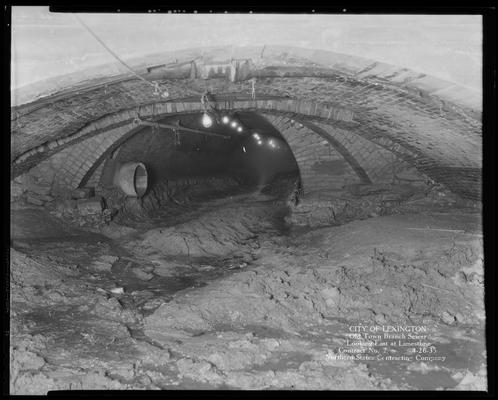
x,y
234,299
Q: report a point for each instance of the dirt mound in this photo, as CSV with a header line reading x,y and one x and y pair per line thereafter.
x,y
176,194
221,301
384,288
296,292
215,233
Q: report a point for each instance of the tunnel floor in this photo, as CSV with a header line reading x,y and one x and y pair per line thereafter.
x,y
230,297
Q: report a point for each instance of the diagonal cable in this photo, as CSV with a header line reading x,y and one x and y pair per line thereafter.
x,y
154,85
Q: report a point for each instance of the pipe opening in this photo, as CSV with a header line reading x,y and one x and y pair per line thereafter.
x,y
132,179
140,180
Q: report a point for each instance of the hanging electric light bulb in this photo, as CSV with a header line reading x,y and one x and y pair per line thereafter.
x,y
207,121
225,119
234,124
239,129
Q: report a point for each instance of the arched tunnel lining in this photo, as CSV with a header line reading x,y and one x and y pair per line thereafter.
x,y
428,166
305,140
429,117
115,130
305,143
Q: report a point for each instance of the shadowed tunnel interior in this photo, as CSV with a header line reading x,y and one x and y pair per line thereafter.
x,y
226,217
169,156
247,154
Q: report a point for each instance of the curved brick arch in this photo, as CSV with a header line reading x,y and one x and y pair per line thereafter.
x,y
311,153
465,178
80,159
314,155
377,161
320,148
162,109
371,100
56,121
357,159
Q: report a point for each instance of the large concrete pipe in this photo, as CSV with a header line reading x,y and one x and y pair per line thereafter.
x,y
132,178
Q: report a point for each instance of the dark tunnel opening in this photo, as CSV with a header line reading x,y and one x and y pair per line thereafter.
x,y
185,168
261,154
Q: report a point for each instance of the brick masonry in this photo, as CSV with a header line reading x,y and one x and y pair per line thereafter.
x,y
311,153
368,105
380,164
324,168
68,167
161,109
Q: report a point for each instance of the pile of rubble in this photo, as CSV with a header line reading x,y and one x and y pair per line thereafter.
x,y
31,191
83,208
360,201
172,193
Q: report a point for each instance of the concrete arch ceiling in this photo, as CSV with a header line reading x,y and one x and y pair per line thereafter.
x,y
431,124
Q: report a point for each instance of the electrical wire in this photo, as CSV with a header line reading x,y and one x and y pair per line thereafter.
x,y
253,88
154,85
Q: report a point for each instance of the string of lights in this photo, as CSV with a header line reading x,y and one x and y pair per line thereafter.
x,y
210,114
273,143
